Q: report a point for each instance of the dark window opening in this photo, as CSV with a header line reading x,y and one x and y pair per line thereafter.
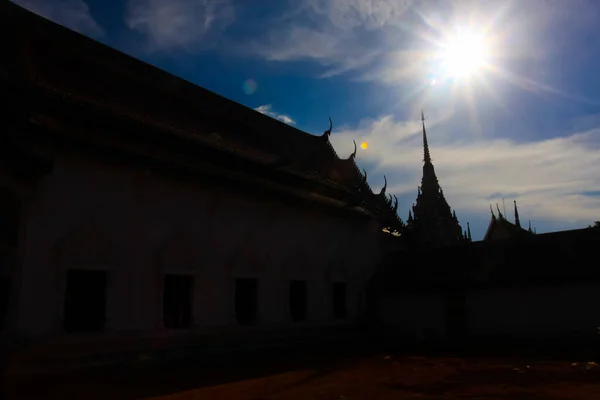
x,y
298,300
4,299
177,302
85,301
339,300
10,214
246,301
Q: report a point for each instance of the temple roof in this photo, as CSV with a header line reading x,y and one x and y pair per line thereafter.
x,y
500,228
59,67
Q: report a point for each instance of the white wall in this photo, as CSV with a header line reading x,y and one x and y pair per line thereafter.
x,y
138,224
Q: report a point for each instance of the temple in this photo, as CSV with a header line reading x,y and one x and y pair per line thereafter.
x,y
432,223
141,214
500,228
138,209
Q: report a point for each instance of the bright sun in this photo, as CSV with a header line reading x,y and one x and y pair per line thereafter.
x,y
464,54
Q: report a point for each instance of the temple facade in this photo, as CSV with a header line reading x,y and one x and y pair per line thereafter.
x,y
135,203
431,222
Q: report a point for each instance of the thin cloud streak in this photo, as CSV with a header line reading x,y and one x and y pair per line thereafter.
x,y
550,177
73,14
267,109
189,25
331,33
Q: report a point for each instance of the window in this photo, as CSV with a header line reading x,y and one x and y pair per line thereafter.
x,y
85,301
298,300
246,301
177,302
4,299
339,300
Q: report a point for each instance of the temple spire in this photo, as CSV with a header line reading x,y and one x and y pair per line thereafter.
x,y
517,222
468,231
427,156
499,212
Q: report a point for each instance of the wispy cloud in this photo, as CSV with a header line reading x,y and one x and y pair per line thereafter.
x,y
267,109
189,25
73,14
552,178
337,34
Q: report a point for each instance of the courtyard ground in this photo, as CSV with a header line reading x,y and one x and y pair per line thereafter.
x,y
328,377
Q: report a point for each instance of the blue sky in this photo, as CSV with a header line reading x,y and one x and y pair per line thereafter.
x,y
524,126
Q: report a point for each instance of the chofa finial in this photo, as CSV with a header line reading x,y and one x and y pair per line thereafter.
x,y
384,185
327,133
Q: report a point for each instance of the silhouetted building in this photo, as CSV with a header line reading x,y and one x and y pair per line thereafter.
x,y
500,228
432,223
132,200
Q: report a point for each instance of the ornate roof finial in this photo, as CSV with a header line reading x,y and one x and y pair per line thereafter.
x,y
499,212
530,227
492,211
327,133
384,186
395,204
410,217
353,155
427,156
517,222
454,214
468,231
365,176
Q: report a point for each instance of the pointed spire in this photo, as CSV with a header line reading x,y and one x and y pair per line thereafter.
x,y
517,222
454,214
410,217
530,227
492,211
499,212
468,231
427,156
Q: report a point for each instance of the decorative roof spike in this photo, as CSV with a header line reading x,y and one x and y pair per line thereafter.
x,y
384,186
354,152
530,227
395,204
517,222
454,214
410,217
499,212
427,156
468,231
327,133
492,211
390,199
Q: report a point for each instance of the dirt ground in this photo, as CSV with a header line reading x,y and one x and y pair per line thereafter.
x,y
373,377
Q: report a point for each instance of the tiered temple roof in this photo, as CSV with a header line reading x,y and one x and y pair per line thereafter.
x,y
431,222
64,81
500,228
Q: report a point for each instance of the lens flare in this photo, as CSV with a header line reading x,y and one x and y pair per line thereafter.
x,y
364,145
250,86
